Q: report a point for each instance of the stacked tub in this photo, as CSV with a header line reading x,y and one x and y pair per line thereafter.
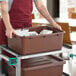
x,y
44,42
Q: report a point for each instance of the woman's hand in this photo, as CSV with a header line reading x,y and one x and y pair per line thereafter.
x,y
6,19
10,32
57,26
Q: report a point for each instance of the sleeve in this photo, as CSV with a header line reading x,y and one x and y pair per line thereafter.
x,y
4,0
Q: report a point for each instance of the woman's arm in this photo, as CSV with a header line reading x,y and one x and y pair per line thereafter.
x,y
43,10
6,19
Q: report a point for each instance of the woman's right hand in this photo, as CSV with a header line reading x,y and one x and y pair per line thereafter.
x,y
10,32
6,19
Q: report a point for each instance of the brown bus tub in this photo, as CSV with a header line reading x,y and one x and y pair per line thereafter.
x,y
40,66
37,44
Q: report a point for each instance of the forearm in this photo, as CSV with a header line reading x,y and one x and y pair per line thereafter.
x,y
6,21
44,12
5,15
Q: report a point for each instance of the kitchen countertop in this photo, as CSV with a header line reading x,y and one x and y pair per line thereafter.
x,y
43,20
71,22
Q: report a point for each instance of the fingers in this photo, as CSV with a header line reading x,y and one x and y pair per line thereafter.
x,y
9,34
58,27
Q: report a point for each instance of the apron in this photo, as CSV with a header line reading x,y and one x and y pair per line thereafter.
x,y
20,16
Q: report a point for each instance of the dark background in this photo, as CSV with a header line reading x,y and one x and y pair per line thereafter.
x,y
53,8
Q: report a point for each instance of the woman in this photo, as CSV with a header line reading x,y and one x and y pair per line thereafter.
x,y
18,14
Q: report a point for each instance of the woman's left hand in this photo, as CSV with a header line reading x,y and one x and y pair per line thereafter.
x,y
57,26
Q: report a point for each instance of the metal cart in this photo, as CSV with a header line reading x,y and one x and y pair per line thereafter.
x,y
20,57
